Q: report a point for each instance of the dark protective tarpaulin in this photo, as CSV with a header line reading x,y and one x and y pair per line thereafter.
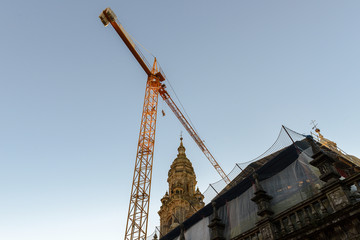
x,y
282,160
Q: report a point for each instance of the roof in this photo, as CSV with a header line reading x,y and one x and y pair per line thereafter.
x,y
265,167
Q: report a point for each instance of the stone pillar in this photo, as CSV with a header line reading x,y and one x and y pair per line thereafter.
x,y
337,193
324,163
216,226
266,231
262,199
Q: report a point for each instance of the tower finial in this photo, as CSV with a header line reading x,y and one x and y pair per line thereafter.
x,y
313,122
181,148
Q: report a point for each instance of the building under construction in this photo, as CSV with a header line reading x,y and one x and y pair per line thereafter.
x,y
309,189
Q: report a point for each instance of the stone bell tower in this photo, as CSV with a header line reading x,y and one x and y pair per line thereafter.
x,y
182,200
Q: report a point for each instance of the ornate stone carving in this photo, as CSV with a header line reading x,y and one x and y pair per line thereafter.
x,y
325,163
266,232
338,199
216,226
182,200
262,199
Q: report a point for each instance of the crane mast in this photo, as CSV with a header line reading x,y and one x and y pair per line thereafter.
x,y
137,221
136,226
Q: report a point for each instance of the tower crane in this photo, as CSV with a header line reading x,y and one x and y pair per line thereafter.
x,y
136,225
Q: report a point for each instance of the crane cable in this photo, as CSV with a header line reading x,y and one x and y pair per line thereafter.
x,y
183,108
160,68
140,44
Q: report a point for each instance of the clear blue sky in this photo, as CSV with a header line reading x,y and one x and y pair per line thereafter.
x,y
71,97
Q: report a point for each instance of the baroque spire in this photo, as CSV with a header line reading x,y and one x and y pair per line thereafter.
x,y
182,198
181,149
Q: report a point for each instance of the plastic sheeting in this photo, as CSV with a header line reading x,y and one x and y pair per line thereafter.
x,y
289,187
239,214
286,138
199,231
297,182
293,184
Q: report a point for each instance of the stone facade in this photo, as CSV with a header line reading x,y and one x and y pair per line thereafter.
x,y
183,199
331,212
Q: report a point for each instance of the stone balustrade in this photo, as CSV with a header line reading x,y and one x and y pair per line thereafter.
x,y
333,213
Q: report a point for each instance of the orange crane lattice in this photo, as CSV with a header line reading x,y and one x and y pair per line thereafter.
x,y
136,225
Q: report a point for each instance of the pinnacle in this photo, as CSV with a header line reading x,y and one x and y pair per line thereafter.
x,y
181,148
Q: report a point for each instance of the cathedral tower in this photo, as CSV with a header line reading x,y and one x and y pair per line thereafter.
x,y
182,200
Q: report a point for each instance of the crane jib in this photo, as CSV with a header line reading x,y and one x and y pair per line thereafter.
x,y
137,220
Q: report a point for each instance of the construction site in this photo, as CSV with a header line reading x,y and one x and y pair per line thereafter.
x,y
102,159
175,213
